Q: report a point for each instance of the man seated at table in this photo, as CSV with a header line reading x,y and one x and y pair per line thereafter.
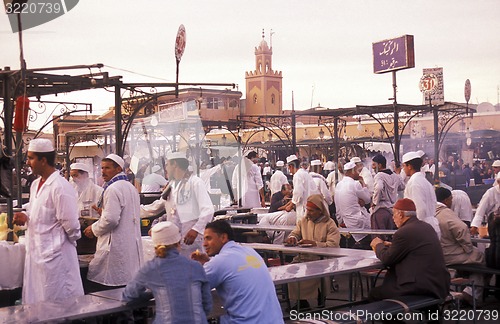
x,y
455,241
240,277
414,258
278,215
280,199
317,229
179,285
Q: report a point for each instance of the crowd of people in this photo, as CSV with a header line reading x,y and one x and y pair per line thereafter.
x,y
432,230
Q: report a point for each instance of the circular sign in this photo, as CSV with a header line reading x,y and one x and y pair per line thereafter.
x,y
467,90
428,83
180,42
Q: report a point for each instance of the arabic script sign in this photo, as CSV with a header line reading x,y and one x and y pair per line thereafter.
x,y
393,54
436,81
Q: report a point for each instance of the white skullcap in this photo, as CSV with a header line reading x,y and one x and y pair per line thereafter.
x,y
496,163
80,166
280,163
410,156
165,233
155,168
355,159
41,145
349,165
315,162
291,158
117,159
421,153
176,155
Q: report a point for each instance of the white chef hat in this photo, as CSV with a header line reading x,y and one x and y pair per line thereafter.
x,y
315,162
165,233
410,156
41,145
176,155
80,166
117,159
349,166
291,158
355,159
421,153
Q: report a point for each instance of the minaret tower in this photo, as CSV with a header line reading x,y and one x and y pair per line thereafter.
x,y
263,85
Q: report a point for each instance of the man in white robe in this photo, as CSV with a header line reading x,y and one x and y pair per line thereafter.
x,y
364,173
303,186
320,181
193,208
351,196
278,178
51,269
420,191
88,192
489,203
250,183
119,252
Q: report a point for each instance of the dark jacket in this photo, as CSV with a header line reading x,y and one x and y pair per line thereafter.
x,y
415,263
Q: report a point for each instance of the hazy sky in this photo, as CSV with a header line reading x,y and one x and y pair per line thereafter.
x,y
322,47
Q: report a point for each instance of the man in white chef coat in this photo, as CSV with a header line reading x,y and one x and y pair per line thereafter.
x,y
251,183
193,208
278,178
51,269
118,253
303,186
419,190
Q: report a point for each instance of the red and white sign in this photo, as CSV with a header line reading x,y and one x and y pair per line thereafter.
x,y
180,43
428,83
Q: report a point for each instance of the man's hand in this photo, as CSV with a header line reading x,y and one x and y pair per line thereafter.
x,y
97,209
88,232
262,203
200,257
473,230
313,243
375,242
190,237
289,206
291,240
20,219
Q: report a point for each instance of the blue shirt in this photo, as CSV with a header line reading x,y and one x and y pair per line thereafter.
x,y
179,285
244,285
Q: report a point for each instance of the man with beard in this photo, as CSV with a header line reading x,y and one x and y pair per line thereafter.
x,y
88,192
